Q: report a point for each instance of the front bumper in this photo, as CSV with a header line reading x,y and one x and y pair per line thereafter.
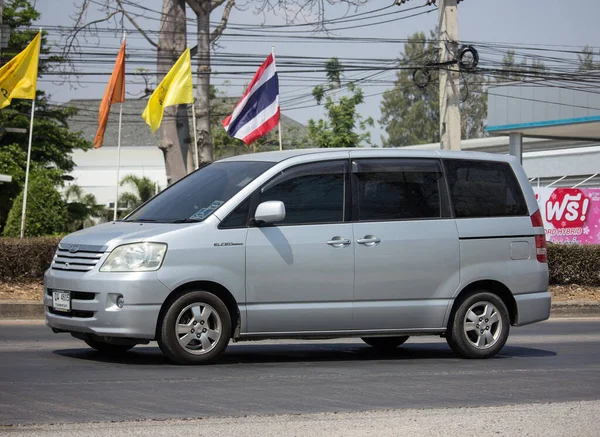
x,y
532,307
93,304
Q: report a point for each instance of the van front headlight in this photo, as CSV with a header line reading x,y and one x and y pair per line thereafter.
x,y
136,257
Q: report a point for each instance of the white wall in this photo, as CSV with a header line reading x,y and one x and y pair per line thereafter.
x,y
96,169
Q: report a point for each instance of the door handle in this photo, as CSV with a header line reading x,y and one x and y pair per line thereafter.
x,y
369,240
338,242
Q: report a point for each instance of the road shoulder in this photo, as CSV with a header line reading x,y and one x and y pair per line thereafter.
x,y
576,418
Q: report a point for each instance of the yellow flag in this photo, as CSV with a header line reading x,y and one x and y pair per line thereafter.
x,y
18,78
175,89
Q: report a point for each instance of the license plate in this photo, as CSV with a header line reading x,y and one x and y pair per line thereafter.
x,y
61,300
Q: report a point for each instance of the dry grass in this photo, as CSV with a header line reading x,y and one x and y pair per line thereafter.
x,y
22,291
33,291
574,292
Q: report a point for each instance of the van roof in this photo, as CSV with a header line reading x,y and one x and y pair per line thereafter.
x,y
278,156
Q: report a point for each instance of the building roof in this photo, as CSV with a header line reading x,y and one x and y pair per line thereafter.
x,y
543,111
134,132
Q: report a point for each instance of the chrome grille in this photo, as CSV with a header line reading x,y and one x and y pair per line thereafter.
x,y
77,258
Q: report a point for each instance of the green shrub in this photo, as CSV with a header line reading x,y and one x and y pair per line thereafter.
x,y
27,258
46,211
574,264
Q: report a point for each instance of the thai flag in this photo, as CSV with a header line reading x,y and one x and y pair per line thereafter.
x,y
257,112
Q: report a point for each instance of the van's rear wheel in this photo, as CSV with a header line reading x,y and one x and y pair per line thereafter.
x,y
108,348
479,326
195,329
385,343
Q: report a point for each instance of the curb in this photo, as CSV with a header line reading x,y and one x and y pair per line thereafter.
x,y
21,310
33,310
576,308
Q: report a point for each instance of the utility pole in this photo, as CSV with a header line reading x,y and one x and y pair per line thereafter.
x,y
449,75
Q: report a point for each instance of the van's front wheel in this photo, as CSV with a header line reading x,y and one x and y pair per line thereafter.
x,y
479,326
195,329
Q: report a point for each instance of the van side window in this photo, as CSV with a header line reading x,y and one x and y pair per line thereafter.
x,y
398,189
311,193
484,189
238,218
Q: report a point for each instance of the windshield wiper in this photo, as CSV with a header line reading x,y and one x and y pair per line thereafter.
x,y
187,220
142,220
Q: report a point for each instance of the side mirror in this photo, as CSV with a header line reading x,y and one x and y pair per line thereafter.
x,y
269,212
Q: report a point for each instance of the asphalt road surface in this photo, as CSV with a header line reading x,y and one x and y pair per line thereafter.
x,y
48,378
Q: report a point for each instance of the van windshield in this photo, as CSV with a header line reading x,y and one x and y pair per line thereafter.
x,y
197,196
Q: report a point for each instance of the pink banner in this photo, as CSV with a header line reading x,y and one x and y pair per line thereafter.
x,y
571,215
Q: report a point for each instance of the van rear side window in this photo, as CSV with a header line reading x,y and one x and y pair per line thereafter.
x,y
398,189
484,189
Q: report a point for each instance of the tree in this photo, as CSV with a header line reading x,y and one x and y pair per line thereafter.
x,y
587,60
81,208
203,10
473,105
53,142
411,114
46,211
172,41
172,25
143,190
339,129
513,71
175,130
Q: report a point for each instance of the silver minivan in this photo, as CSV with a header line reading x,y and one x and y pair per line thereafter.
x,y
381,244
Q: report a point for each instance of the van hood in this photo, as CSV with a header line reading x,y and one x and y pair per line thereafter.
x,y
112,234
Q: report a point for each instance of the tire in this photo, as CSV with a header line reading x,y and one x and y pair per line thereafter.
x,y
108,348
195,329
385,343
479,325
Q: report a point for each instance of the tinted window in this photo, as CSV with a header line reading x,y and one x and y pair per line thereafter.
x,y
484,189
198,195
312,193
238,218
394,189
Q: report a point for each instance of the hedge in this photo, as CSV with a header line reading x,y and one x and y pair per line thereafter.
x,y
27,259
574,264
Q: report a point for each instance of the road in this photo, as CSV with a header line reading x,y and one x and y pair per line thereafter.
x,y
48,378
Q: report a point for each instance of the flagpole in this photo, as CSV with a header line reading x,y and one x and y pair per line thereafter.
x,y
119,149
27,170
195,134
24,210
278,124
279,130
118,161
197,163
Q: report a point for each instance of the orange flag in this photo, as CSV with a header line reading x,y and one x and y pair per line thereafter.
x,y
115,93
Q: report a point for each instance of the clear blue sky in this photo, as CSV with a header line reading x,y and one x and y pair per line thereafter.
x,y
570,23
